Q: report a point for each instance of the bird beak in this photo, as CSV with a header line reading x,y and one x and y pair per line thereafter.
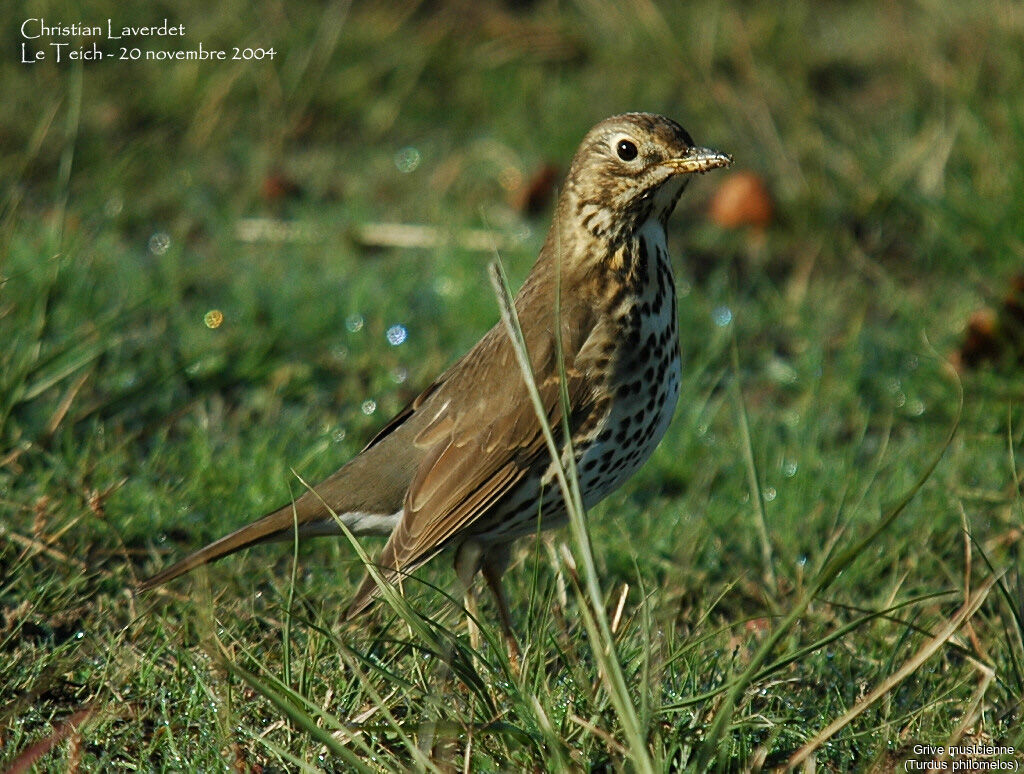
x,y
698,160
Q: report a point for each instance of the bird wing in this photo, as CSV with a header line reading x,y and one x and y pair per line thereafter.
x,y
480,446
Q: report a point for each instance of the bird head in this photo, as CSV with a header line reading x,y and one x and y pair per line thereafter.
x,y
629,168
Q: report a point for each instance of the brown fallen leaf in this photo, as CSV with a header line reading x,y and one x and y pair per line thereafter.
x,y
742,199
995,335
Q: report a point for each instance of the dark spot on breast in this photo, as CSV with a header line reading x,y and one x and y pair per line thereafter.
x,y
641,271
658,299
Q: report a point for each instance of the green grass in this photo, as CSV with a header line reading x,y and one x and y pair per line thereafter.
x,y
130,432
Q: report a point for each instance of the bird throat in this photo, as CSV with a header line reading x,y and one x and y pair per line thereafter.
x,y
639,243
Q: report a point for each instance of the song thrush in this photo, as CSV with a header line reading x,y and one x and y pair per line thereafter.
x,y
464,466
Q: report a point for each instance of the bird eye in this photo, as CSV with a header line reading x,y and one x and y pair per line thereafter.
x,y
626,149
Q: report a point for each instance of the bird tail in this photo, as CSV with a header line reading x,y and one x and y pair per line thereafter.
x,y
278,525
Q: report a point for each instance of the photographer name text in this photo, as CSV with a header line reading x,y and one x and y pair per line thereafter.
x,y
43,40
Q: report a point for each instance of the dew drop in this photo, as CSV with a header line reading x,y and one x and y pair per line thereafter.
x,y
770,494
782,372
159,242
354,323
339,435
399,375
213,318
113,206
722,316
789,469
397,334
407,159
369,406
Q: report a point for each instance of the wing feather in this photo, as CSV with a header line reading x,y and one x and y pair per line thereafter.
x,y
480,445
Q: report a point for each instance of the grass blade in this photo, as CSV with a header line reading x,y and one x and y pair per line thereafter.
x,y
594,616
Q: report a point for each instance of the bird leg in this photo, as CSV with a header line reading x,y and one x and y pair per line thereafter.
x,y
467,561
493,564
